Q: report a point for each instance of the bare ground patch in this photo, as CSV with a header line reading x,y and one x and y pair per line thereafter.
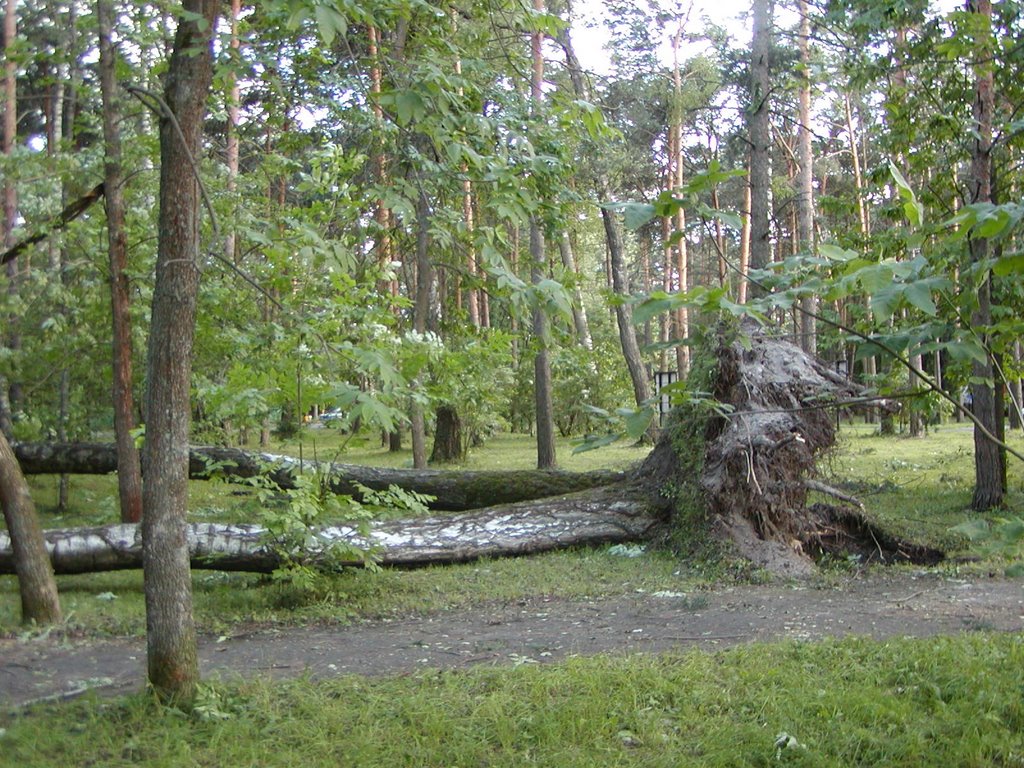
x,y
879,605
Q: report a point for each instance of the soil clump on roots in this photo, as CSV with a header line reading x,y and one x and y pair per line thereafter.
x,y
753,446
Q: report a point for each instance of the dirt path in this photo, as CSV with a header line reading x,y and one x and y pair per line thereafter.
x,y
539,630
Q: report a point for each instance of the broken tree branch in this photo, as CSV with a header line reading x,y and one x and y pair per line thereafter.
x,y
65,217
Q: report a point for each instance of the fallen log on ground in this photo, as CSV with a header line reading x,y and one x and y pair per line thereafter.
x,y
739,473
594,517
453,490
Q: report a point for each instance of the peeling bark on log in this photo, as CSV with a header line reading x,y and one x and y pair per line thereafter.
x,y
594,517
453,490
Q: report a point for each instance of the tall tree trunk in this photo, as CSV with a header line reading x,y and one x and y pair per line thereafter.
x,y
579,311
170,628
615,264
682,316
449,441
805,197
744,265
720,245
759,118
382,214
472,292
989,460
8,398
39,601
1016,392
544,405
421,309
129,473
543,399
870,365
231,149
69,107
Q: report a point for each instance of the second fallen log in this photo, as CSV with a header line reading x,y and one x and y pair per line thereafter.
x,y
453,490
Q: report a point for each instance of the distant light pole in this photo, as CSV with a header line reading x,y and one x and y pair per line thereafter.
x,y
663,379
843,369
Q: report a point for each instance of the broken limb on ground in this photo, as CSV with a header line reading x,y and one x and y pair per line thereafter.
x,y
742,473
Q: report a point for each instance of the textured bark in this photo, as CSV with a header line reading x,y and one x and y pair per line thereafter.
x,y
682,314
69,107
623,311
542,388
595,517
579,310
449,442
231,145
25,544
129,473
760,135
805,193
11,337
989,459
420,315
172,658
454,490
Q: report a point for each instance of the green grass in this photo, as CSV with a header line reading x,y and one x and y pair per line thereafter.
x,y
112,603
501,451
945,701
918,488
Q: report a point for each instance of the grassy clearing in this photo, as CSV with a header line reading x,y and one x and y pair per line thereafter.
x,y
918,487
501,451
945,701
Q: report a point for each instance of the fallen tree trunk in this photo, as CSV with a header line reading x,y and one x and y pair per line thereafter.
x,y
595,517
453,490
741,474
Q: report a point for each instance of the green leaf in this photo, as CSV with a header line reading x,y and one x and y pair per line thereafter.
x,y
993,224
330,22
593,442
409,106
966,351
635,214
885,301
638,422
1009,264
729,218
651,308
919,295
912,208
837,254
